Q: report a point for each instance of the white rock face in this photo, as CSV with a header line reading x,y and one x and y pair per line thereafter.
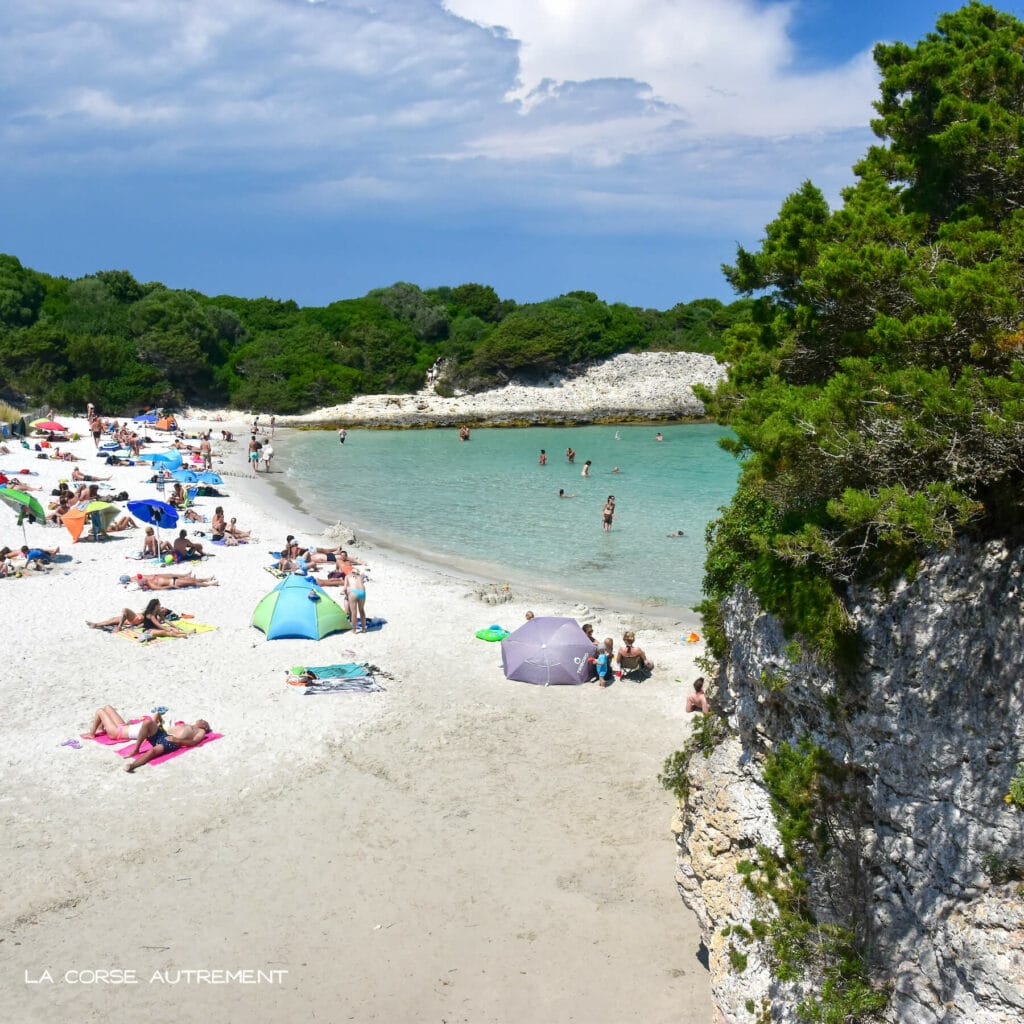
x,y
647,385
932,730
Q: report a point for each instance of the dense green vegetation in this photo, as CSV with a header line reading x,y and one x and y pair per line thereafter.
x,y
877,393
108,339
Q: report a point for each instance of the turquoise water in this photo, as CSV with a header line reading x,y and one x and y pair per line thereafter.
x,y
487,506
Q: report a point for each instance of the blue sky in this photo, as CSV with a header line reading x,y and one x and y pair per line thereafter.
x,y
315,149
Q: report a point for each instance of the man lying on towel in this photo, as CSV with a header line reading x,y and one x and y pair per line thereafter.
x,y
165,741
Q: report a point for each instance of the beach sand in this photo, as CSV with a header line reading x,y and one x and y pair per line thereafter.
x,y
456,848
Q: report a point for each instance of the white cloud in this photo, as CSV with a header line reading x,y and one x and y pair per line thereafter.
x,y
631,112
726,65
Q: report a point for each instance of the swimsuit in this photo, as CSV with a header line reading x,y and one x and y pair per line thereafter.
x,y
160,739
359,595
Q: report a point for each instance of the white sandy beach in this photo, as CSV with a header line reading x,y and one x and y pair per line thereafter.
x,y
457,848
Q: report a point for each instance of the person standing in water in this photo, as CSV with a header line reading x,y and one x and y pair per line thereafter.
x,y
570,454
608,513
586,468
342,434
543,457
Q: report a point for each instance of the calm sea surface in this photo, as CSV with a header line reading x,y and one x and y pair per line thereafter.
x,y
487,507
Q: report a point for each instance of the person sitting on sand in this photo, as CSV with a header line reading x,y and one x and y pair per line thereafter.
x,y
178,498
107,720
154,621
152,548
165,741
234,530
60,508
697,701
124,523
630,650
589,630
78,475
218,523
185,548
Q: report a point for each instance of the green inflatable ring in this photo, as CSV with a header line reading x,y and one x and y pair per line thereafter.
x,y
492,633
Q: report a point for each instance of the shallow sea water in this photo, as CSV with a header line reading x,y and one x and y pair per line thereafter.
x,y
486,506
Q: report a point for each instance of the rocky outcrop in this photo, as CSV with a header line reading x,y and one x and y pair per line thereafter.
x,y
931,729
632,386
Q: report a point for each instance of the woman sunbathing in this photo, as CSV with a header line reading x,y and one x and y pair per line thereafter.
x,y
109,721
151,548
127,618
221,528
124,523
154,621
171,581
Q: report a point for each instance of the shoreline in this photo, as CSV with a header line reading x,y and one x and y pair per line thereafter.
x,y
448,835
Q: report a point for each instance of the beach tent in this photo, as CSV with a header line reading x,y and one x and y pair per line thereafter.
x,y
100,513
170,459
185,476
299,607
207,476
547,650
166,423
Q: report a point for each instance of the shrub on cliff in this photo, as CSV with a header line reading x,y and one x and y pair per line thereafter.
x,y
877,395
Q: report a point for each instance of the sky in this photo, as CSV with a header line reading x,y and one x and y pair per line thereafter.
x,y
316,149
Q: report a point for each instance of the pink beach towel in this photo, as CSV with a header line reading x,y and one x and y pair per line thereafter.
x,y
127,750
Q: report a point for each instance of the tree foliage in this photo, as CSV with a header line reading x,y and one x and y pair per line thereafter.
x,y
877,392
108,339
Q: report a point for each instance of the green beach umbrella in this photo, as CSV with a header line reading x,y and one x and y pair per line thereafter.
x,y
299,607
24,505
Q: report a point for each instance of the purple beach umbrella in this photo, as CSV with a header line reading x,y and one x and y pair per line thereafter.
x,y
548,650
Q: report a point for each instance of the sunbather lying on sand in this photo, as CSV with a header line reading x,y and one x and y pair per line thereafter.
x,y
126,618
165,741
77,474
109,721
168,581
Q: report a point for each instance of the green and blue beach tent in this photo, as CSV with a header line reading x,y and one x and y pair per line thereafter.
x,y
298,607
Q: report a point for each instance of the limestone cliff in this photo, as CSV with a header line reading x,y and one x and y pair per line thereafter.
x,y
929,729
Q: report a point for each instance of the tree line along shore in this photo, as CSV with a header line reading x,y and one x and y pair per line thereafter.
x,y
120,344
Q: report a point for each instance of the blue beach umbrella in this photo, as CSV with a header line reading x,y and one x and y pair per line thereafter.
x,y
185,476
157,513
146,417
207,476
